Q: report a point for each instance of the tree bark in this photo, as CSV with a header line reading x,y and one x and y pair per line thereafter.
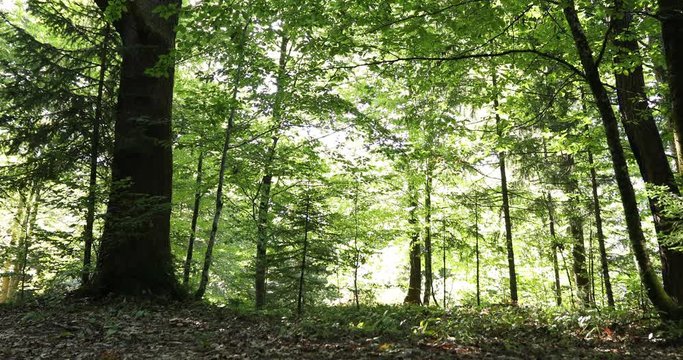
x,y
415,283
187,266
506,205
135,251
646,144
262,221
671,15
600,235
655,290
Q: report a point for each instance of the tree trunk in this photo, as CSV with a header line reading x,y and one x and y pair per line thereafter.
x,y
429,278
569,276
300,298
9,283
506,205
661,300
476,249
94,154
576,230
601,236
261,263
415,283
555,245
443,259
356,249
25,245
671,15
135,251
647,145
187,266
208,256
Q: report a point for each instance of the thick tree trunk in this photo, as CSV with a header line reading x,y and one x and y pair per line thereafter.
x,y
671,15
662,302
647,145
208,255
429,277
555,246
601,236
506,205
187,266
94,154
262,220
135,251
576,230
415,283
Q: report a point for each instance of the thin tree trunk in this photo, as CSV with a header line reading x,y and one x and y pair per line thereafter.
x,y
356,250
443,255
569,277
261,262
655,290
187,266
300,298
600,235
415,283
429,277
476,248
576,231
94,154
555,245
506,205
208,256
28,231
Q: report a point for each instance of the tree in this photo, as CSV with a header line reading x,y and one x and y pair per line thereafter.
x,y
506,199
646,143
661,300
208,256
414,286
135,254
597,212
671,17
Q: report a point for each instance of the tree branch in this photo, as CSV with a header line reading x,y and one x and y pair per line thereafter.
x,y
539,53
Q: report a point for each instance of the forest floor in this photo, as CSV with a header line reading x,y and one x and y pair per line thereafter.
x,y
128,330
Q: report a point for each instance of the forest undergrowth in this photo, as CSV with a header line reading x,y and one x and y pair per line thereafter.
x,y
132,330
